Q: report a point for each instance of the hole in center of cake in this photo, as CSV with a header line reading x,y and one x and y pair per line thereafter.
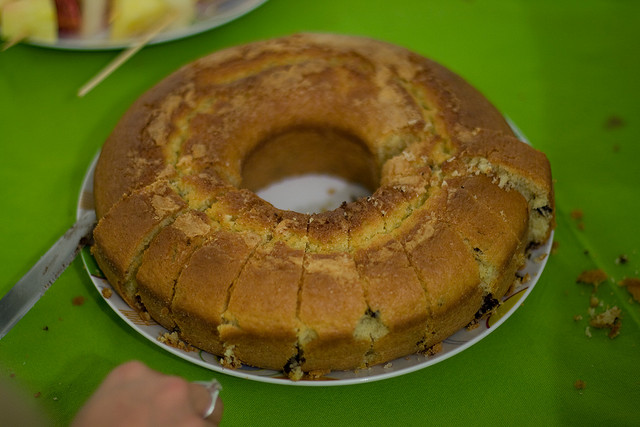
x,y
312,193
310,169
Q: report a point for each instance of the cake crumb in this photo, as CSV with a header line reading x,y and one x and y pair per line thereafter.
x,y
622,259
229,359
614,122
594,301
471,326
37,394
106,292
540,258
317,374
578,216
388,365
434,349
172,340
608,319
554,247
45,328
587,332
524,279
79,300
615,330
592,277
577,317
633,286
295,374
580,385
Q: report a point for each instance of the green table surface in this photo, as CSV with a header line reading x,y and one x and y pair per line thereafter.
x,y
566,72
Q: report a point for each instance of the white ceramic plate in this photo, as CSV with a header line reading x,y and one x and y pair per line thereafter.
x,y
458,342
226,11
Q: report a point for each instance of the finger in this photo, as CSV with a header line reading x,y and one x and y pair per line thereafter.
x,y
200,398
129,371
202,395
216,416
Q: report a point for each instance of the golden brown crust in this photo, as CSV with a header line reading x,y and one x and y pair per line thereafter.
x,y
201,292
453,295
332,304
127,229
260,322
455,202
163,261
395,298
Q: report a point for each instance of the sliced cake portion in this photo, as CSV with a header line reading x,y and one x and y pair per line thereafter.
x,y
511,164
508,204
201,291
164,259
507,212
260,322
447,270
126,230
332,301
483,231
396,300
396,305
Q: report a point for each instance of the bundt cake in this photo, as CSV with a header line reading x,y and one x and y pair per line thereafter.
x,y
455,202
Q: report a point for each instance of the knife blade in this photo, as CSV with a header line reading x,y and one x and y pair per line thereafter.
x,y
28,290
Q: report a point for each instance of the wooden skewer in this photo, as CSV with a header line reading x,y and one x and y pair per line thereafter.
x,y
124,56
13,41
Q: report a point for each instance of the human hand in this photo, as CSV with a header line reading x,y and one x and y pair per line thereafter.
x,y
134,395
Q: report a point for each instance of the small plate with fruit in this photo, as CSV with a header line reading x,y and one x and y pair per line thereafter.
x,y
112,24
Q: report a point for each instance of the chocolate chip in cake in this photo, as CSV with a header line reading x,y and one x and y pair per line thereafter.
x,y
488,305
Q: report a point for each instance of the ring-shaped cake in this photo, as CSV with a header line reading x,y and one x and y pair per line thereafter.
x,y
456,202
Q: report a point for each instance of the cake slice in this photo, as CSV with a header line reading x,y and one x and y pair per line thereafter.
x,y
201,292
163,261
396,305
127,229
484,232
448,272
332,302
260,323
512,164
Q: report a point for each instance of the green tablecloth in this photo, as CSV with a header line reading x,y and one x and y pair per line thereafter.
x,y
566,72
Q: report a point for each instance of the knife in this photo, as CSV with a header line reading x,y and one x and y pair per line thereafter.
x,y
28,290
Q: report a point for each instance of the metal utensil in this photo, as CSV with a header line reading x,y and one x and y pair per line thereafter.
x,y
28,290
